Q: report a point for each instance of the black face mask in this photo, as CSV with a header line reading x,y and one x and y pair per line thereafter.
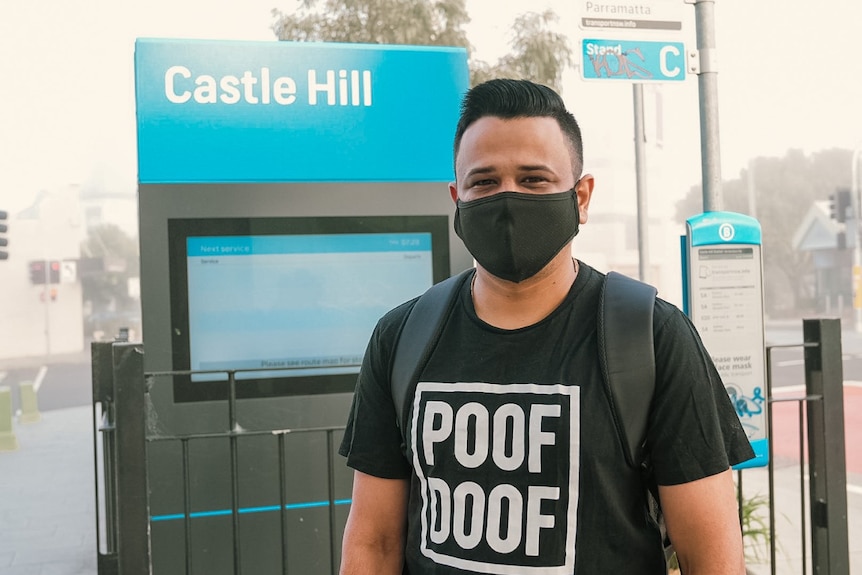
x,y
514,235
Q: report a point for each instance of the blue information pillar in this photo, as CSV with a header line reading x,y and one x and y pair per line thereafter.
x,y
724,299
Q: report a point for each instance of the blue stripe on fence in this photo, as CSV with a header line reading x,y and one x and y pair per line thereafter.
x,y
244,510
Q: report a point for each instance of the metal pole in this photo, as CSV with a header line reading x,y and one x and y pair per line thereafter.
x,y
187,505
827,466
282,504
707,82
47,305
102,361
330,482
640,178
46,302
234,474
133,517
752,195
770,466
857,249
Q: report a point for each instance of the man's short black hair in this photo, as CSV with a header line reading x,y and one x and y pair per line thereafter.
x,y
508,99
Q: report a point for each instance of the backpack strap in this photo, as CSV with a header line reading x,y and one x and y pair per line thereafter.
x,y
627,357
417,339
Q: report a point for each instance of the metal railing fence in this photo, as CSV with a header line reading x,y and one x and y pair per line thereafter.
x,y
123,436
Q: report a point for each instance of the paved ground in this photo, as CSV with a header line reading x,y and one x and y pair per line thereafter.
x,y
47,500
789,551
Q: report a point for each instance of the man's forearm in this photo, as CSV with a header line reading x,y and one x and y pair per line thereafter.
x,y
376,528
734,565
703,524
358,559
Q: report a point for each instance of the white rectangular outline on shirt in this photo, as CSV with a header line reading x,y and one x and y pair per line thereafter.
x,y
573,392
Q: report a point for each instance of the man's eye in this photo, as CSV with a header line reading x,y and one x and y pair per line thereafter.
x,y
480,183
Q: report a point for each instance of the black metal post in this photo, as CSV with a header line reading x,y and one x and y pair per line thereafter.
x,y
827,468
771,461
803,530
133,543
282,503
330,479
101,358
234,475
187,505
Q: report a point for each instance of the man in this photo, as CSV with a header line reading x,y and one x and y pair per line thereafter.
x,y
512,462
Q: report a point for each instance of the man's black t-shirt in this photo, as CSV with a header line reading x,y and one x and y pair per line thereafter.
x,y
515,464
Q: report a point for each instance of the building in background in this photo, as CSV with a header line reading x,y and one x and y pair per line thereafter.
x,y
41,310
831,244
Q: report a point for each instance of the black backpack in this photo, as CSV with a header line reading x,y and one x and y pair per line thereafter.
x,y
626,355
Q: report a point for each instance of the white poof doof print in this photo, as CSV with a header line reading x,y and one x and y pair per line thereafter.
x,y
498,472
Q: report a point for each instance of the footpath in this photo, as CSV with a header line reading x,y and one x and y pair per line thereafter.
x,y
48,507
47,497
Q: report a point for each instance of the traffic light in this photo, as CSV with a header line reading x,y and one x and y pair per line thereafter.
x,y
38,275
838,204
4,240
42,272
54,272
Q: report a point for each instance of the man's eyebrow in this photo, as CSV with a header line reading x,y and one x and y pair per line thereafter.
x,y
535,168
480,171
525,168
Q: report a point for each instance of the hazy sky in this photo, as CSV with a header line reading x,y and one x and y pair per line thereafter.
x,y
788,78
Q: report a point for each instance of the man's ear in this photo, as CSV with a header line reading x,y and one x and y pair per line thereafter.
x,y
584,190
453,191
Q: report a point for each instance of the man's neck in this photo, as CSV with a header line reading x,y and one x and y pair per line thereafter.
x,y
509,305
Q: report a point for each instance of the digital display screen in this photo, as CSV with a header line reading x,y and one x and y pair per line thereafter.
x,y
290,303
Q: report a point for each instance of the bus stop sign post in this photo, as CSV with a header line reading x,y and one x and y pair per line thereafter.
x,y
724,299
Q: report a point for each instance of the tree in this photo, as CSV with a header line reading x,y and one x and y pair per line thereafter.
x,y
539,54
784,189
107,289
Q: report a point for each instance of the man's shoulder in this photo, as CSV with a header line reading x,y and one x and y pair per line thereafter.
x,y
390,323
666,310
588,281
668,318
